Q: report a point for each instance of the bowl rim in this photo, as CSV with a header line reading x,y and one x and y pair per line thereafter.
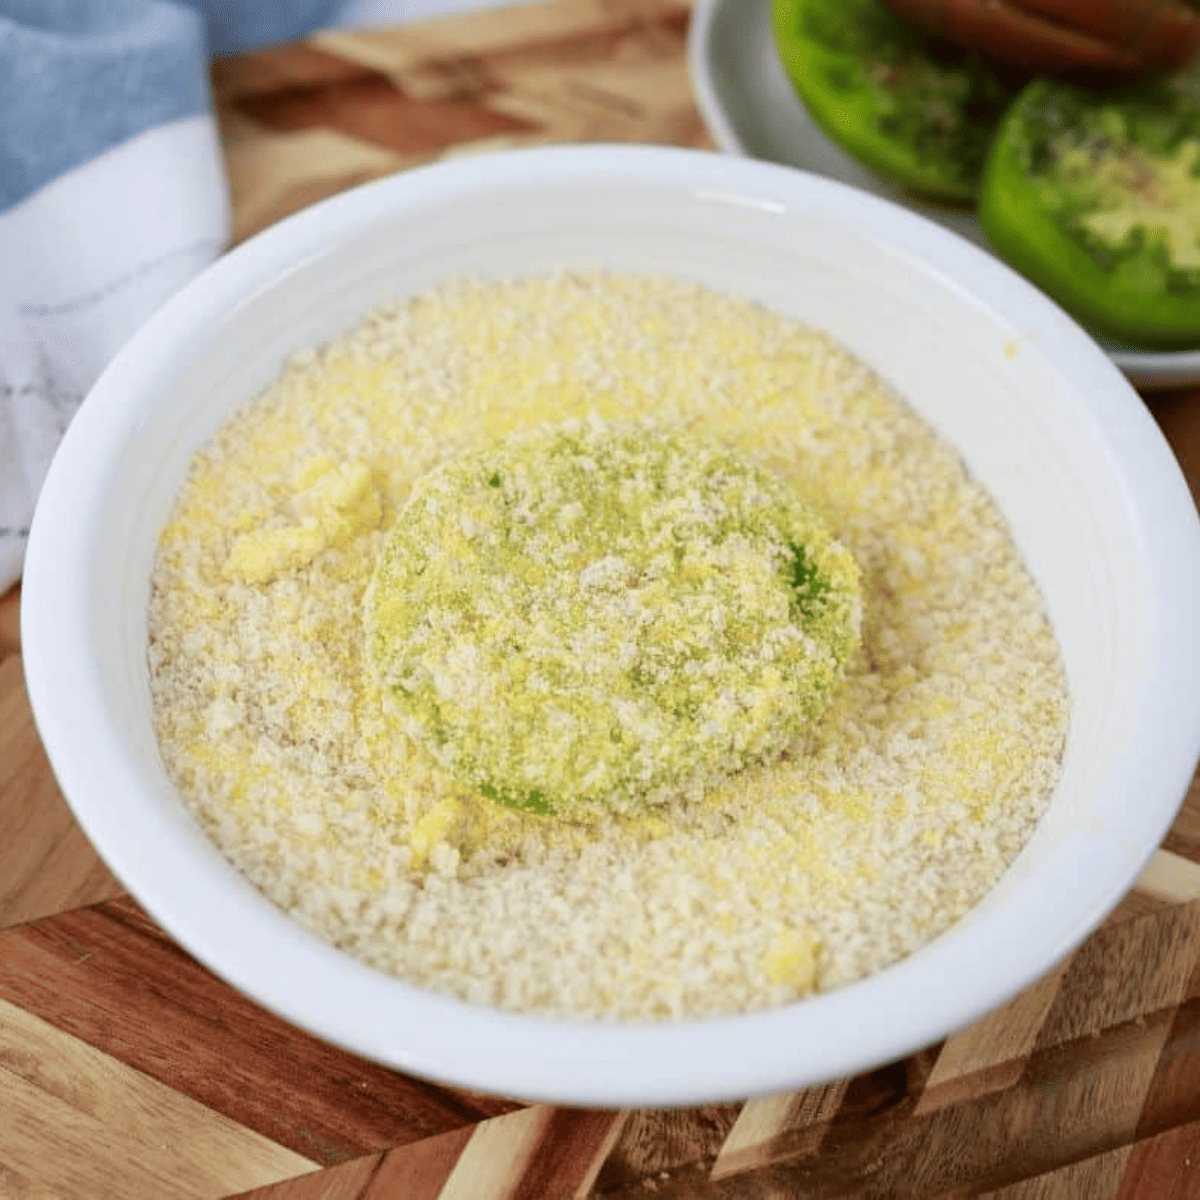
x,y
567,1061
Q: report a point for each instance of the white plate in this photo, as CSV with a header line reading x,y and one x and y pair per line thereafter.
x,y
751,108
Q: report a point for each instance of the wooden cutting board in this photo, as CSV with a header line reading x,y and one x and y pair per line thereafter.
x,y
128,1071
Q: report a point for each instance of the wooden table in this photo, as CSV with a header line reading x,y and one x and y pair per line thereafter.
x,y
128,1071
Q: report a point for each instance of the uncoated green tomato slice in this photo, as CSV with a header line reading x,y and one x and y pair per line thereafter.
x,y
915,109
1095,197
589,617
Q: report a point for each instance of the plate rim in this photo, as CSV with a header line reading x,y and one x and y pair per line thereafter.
x,y
1146,369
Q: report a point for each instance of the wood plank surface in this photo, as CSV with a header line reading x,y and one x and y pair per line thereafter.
x,y
127,1070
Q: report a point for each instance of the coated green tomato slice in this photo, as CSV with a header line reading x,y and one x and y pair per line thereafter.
x,y
599,617
1095,197
916,110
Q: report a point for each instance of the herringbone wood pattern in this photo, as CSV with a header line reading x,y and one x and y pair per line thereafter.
x,y
128,1071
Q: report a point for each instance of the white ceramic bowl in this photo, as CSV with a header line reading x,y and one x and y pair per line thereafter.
x,y
1044,419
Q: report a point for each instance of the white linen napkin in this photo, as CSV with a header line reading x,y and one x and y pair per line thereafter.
x,y
112,196
86,261
112,190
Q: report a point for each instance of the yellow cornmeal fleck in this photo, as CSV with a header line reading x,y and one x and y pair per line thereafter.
x,y
882,823
335,503
434,827
791,959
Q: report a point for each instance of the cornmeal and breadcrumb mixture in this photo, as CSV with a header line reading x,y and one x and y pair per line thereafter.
x,y
867,830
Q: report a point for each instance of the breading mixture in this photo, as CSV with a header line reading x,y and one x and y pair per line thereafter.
x,y
883,821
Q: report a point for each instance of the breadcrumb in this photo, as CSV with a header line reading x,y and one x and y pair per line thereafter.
x,y
880,825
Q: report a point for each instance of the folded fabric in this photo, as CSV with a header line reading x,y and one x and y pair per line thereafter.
x,y
112,196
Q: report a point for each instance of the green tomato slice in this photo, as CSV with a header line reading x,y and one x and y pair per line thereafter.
x,y
915,109
1095,197
588,616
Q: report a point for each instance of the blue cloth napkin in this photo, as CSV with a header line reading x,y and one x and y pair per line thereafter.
x,y
112,195
78,77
